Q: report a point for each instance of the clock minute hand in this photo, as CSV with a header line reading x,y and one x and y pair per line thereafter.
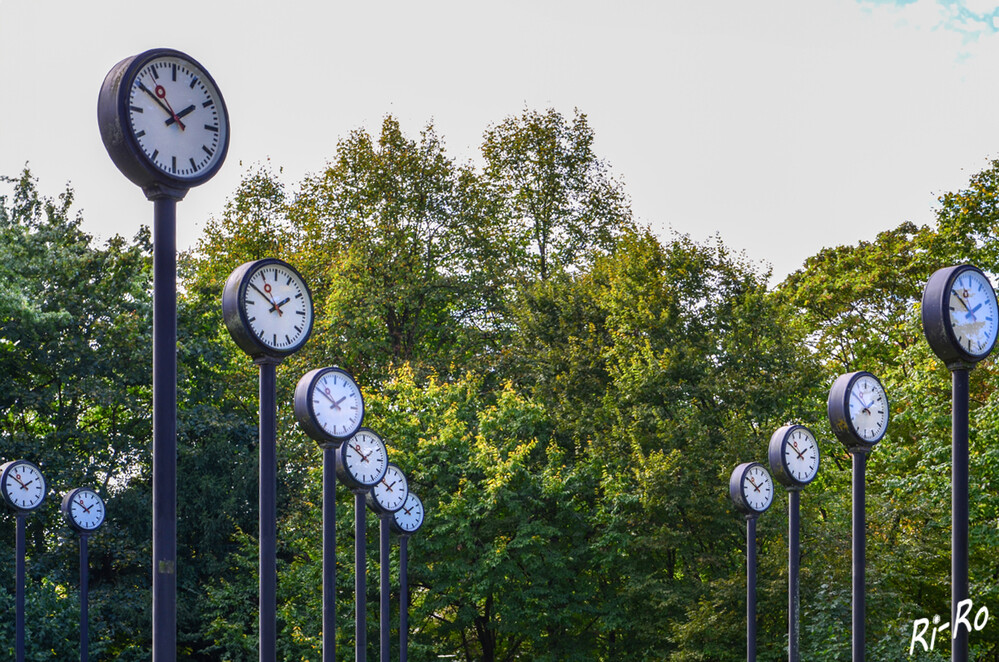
x,y
264,295
161,93
954,292
277,306
155,98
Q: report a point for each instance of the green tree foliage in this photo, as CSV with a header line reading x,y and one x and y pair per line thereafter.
x,y
567,393
558,197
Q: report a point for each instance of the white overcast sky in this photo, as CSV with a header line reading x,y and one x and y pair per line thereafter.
x,y
782,125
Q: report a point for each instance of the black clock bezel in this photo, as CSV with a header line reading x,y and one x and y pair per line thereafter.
x,y
343,473
234,313
394,525
776,457
119,138
5,471
838,410
305,412
67,512
936,318
372,501
736,489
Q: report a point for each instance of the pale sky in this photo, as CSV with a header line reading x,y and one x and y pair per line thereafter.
x,y
782,125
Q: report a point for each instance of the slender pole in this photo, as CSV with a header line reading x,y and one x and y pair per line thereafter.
x,y
164,429
329,552
403,598
793,563
859,552
19,554
360,586
750,588
384,624
268,510
84,601
959,511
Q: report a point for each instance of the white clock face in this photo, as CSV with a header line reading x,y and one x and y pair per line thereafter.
x,y
410,517
758,488
278,307
868,408
23,486
365,458
177,118
391,491
973,313
87,509
801,455
337,403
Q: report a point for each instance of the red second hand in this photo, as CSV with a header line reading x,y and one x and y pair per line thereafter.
x,y
161,93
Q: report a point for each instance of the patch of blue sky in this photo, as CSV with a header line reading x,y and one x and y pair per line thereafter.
x,y
969,18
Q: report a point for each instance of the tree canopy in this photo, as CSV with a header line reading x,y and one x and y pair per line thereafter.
x,y
566,391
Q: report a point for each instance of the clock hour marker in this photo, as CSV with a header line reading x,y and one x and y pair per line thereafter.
x,y
136,109
156,153
140,134
194,166
209,127
173,163
208,104
206,150
194,81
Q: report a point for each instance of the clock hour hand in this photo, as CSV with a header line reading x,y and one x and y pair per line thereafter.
x,y
277,306
184,113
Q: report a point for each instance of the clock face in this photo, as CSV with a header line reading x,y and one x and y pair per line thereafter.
x,y
84,509
363,459
868,405
335,403
177,116
801,455
757,488
23,485
409,518
278,306
973,312
389,494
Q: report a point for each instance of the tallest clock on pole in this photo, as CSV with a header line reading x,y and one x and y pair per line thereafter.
x,y
163,121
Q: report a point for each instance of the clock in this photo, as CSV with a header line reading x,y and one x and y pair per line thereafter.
x,y
362,461
22,485
267,308
408,519
389,494
858,409
83,509
794,456
960,315
163,120
328,405
751,488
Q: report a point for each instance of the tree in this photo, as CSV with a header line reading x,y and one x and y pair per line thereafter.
x,y
559,199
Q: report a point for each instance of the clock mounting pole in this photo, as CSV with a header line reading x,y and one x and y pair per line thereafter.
x,y
960,315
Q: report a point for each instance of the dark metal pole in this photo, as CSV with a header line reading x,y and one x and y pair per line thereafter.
x,y
859,552
959,511
19,554
384,624
360,586
164,429
403,598
750,588
268,509
329,552
793,563
84,601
